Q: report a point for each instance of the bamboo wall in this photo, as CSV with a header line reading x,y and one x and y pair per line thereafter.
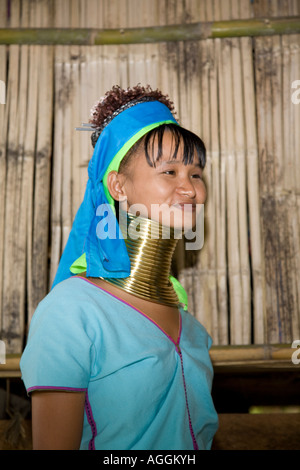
x,y
243,285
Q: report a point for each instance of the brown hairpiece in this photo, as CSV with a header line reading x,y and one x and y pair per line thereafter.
x,y
117,100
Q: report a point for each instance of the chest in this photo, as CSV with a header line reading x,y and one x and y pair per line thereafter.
x,y
138,385
166,318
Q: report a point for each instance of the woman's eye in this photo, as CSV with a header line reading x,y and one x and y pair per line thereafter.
x,y
169,172
197,176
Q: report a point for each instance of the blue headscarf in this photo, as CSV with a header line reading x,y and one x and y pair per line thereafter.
x,y
108,257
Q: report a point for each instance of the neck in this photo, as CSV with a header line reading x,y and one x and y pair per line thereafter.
x,y
150,247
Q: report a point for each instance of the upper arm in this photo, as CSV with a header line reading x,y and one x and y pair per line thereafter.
x,y
57,420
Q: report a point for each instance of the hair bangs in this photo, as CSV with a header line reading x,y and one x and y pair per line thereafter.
x,y
192,145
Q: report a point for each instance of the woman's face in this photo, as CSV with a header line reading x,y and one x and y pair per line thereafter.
x,y
170,193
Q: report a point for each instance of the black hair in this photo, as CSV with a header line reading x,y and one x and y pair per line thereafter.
x,y
191,144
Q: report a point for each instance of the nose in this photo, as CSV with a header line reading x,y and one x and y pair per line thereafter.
x,y
186,188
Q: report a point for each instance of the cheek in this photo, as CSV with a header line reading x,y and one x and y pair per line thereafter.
x,y
139,193
201,193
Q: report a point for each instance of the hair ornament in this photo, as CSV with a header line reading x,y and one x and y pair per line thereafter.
x,y
97,130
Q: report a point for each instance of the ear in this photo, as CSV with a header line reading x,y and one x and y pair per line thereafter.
x,y
115,183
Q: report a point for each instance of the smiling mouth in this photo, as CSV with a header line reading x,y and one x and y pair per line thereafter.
x,y
188,207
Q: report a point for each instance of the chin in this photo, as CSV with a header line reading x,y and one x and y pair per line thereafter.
x,y
176,219
185,224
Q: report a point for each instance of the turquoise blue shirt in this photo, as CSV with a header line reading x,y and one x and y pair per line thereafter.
x,y
143,389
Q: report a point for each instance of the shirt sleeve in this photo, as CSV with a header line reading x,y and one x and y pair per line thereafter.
x,y
59,351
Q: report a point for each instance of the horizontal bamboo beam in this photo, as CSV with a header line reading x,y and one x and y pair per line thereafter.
x,y
11,368
181,32
265,355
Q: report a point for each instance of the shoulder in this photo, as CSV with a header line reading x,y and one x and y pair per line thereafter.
x,y
195,330
75,293
63,334
73,313
72,303
79,287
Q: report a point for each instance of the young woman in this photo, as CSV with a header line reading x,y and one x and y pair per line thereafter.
x,y
114,360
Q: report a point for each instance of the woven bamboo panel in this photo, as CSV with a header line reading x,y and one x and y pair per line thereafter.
x,y
243,285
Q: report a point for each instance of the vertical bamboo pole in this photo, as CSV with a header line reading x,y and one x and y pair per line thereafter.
x,y
29,151
57,165
295,215
199,69
136,52
109,66
66,94
66,88
243,311
169,59
184,83
77,116
123,49
75,120
215,208
275,200
292,116
95,72
255,242
239,130
287,253
204,277
80,107
291,173
3,159
92,53
233,239
216,215
215,236
10,304
286,301
295,212
221,209
22,187
232,194
42,170
287,172
85,104
56,172
150,17
263,98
